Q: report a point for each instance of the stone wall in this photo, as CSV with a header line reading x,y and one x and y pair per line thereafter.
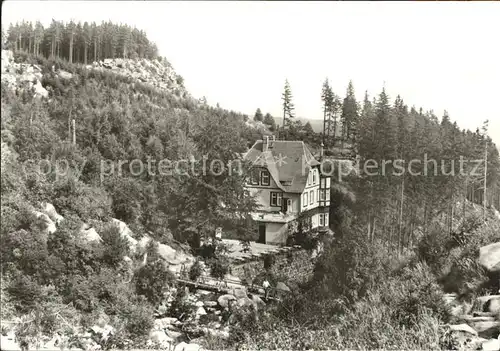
x,y
293,264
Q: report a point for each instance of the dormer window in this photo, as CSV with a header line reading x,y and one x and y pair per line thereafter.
x,y
265,178
254,177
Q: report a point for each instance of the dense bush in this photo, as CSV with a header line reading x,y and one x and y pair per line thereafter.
x,y
195,271
152,279
219,267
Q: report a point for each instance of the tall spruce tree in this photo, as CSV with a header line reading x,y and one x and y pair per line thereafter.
x,y
288,107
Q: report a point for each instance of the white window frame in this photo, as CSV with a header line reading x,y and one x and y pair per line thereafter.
x,y
254,173
304,199
311,197
314,176
322,195
276,199
321,220
267,175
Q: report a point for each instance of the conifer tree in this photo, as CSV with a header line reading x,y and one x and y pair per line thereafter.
x,y
350,114
258,116
288,107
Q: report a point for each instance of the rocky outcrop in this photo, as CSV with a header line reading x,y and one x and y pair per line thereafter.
x,y
50,226
489,257
156,73
50,211
89,234
159,74
126,233
22,77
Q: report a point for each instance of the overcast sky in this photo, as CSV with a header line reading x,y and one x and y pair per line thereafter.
x,y
438,55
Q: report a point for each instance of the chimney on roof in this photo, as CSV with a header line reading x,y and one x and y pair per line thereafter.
x,y
265,143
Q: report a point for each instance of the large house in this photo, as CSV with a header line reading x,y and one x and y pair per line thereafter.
x,y
287,182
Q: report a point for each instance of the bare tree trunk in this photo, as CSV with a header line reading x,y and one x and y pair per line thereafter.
x,y
74,132
71,48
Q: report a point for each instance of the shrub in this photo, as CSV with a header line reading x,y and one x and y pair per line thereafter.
x,y
151,280
115,245
350,267
24,293
181,308
432,247
219,267
139,319
268,261
195,271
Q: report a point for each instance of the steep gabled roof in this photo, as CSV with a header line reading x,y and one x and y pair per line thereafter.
x,y
288,162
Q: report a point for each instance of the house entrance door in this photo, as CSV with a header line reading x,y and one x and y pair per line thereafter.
x,y
262,233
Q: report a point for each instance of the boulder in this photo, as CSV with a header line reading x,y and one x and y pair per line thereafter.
x,y
125,232
210,303
199,304
463,328
89,234
244,302
50,225
489,257
174,335
482,303
164,323
281,286
201,311
492,305
8,342
240,293
486,328
224,300
40,91
161,338
222,334
50,211
491,345
167,253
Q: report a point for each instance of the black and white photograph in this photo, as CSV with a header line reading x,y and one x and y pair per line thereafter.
x,y
250,175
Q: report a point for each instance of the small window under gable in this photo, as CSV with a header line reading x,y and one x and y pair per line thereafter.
x,y
254,177
304,199
314,173
311,197
265,177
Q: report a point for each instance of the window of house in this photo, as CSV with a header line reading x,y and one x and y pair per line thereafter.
x,y
323,183
323,219
322,195
276,199
304,199
311,197
314,176
264,178
254,177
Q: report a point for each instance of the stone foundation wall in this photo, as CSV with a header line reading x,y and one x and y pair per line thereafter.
x,y
294,264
